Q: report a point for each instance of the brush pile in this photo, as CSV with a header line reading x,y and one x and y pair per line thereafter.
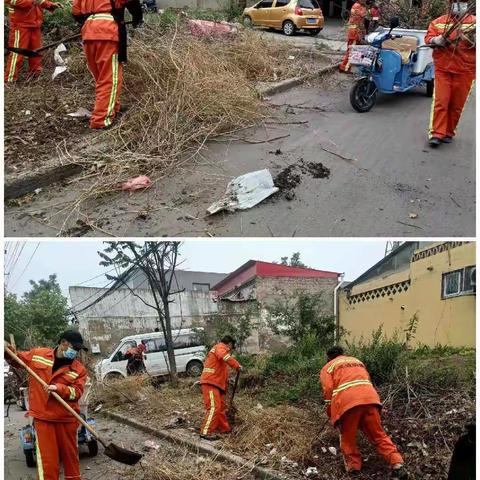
x,y
179,91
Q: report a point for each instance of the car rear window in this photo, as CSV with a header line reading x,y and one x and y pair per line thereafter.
x,y
311,4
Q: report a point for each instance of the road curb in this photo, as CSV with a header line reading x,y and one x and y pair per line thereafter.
x,y
30,181
295,81
200,447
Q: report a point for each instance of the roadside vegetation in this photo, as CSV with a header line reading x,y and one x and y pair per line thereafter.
x,y
428,395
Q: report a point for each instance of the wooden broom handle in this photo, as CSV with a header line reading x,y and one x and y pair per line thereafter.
x,y
55,395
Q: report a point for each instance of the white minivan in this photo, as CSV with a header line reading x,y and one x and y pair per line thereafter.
x,y
189,355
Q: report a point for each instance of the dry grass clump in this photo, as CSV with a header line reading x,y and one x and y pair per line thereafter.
x,y
275,432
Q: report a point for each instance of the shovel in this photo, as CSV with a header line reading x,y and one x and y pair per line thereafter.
x,y
36,53
232,409
113,451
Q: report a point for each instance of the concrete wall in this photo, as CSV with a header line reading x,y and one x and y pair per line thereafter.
x,y
121,314
266,291
393,300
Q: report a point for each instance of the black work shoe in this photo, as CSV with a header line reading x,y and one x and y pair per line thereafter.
x,y
434,142
447,140
210,438
400,473
354,473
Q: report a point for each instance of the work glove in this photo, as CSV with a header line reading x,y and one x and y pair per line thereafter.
x,y
439,41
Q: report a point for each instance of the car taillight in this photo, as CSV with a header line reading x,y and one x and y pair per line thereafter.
x,y
298,11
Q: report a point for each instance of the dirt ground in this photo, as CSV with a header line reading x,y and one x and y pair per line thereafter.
x,y
292,437
383,179
165,463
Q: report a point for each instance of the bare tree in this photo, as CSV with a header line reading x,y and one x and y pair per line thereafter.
x,y
157,261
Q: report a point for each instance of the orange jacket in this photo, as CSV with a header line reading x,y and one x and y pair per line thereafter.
x,y
99,24
70,381
25,14
457,57
215,371
346,384
356,22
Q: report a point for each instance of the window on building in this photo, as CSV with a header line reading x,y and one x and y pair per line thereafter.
x,y
458,282
201,287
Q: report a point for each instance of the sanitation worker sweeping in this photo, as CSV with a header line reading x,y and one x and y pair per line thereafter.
x,y
214,386
353,403
57,381
454,40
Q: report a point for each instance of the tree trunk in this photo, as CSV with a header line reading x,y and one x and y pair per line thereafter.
x,y
169,342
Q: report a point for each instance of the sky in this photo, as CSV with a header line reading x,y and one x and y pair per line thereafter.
x,y
76,262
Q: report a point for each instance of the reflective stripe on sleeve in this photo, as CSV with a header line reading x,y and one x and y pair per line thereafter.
x,y
72,393
227,357
73,374
39,359
209,370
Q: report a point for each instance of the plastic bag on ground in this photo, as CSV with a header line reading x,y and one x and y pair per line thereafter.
x,y
136,183
245,192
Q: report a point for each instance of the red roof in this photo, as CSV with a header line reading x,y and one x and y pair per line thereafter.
x,y
256,268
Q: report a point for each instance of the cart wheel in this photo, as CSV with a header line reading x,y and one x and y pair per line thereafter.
x,y
92,448
363,95
429,88
30,458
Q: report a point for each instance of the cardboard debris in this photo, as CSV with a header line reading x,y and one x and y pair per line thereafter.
x,y
245,192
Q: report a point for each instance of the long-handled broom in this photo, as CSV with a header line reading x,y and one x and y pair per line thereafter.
x,y
113,451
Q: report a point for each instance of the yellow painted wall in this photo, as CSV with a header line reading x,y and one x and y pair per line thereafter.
x,y
441,321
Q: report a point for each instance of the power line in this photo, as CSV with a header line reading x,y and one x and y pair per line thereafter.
x,y
26,266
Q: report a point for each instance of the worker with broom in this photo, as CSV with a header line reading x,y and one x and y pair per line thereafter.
x,y
214,380
55,428
104,36
453,37
26,19
352,404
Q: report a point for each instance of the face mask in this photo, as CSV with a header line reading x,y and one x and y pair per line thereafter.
x,y
70,353
459,8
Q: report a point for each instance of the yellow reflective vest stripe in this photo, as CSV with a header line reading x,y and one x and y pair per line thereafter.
x,y
45,361
353,383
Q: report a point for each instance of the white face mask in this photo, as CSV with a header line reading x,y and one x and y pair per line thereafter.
x,y
459,8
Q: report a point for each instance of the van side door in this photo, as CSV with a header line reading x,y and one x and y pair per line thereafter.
x,y
155,356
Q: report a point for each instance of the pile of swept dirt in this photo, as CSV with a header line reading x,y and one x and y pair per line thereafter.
x,y
423,422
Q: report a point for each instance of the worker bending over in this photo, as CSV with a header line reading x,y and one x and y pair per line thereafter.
x,y
104,38
214,387
55,428
453,37
355,30
25,22
352,404
135,361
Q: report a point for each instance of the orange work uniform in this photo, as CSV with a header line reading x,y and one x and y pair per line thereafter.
x,y
100,35
353,403
25,18
454,74
214,386
355,31
55,428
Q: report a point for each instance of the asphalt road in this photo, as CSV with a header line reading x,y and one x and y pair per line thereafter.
x,y
100,467
384,180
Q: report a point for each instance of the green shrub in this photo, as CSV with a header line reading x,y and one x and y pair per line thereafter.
x,y
60,23
380,354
